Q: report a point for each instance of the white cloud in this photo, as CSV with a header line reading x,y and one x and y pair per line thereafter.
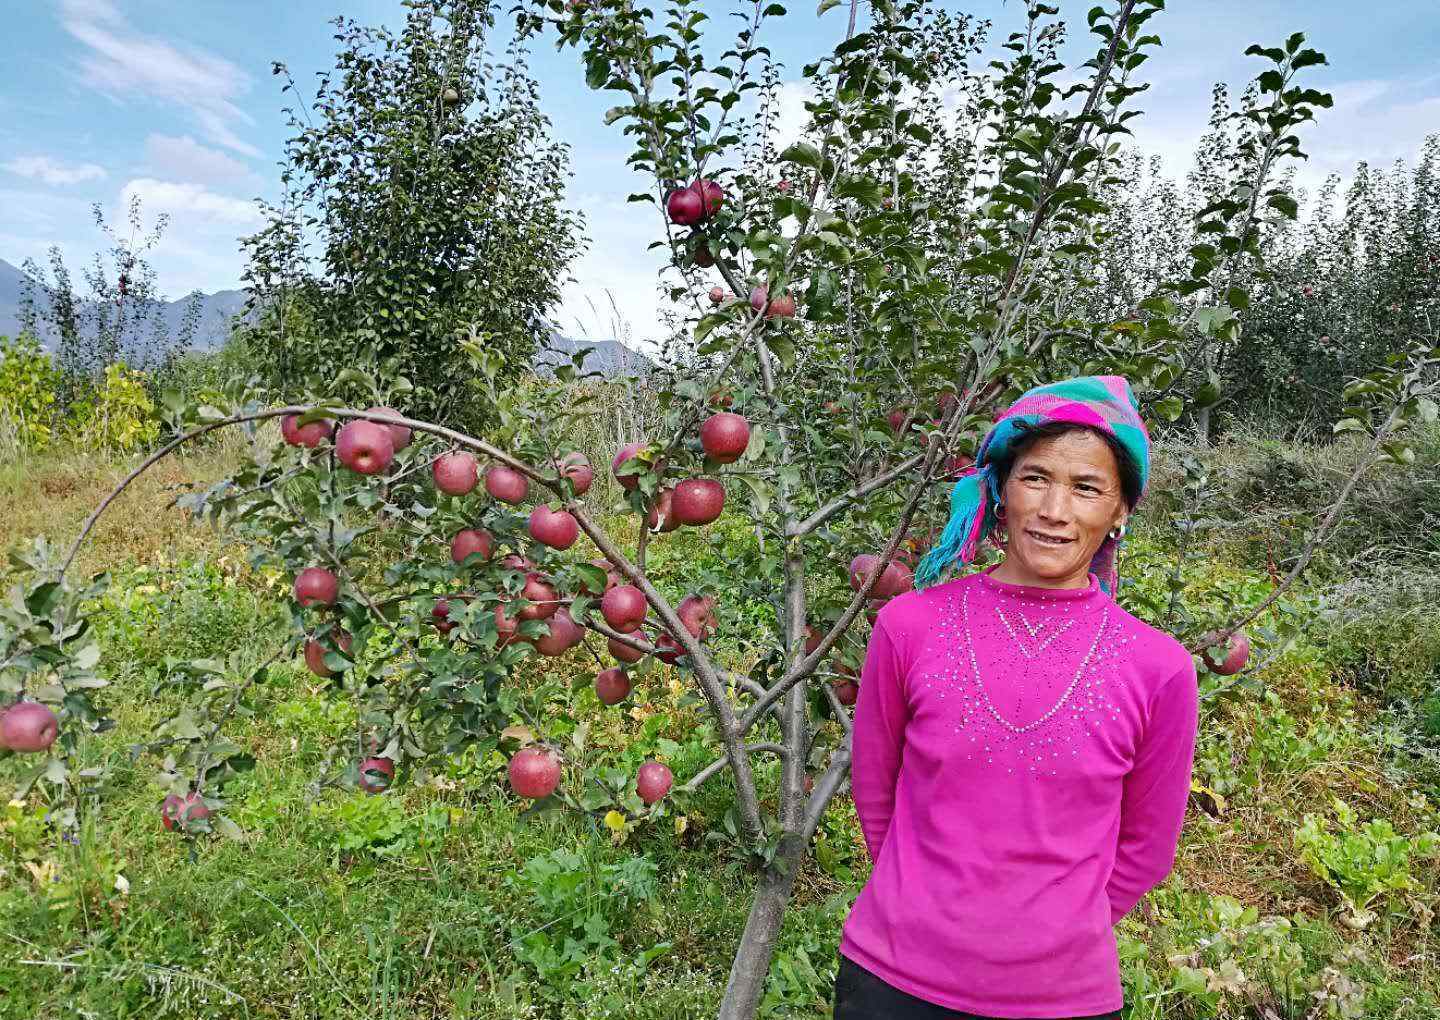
x,y
1374,120
122,61
52,171
188,203
186,159
791,117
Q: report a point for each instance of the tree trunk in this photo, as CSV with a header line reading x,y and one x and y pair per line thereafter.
x,y
762,929
1202,426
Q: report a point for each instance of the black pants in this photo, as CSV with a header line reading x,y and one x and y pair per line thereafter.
x,y
860,995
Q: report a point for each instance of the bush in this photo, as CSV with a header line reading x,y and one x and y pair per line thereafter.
x,y
1363,863
28,384
117,416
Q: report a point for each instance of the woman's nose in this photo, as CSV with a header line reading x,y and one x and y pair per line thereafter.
x,y
1056,504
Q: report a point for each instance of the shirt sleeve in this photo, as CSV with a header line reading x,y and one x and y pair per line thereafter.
x,y
1152,807
878,736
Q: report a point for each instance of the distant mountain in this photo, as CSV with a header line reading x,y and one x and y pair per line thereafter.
x,y
609,357
216,311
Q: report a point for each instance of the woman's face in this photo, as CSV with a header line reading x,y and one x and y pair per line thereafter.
x,y
1062,497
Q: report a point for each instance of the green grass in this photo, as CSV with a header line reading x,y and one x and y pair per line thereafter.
x,y
439,900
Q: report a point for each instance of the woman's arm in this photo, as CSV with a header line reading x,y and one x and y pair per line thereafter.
x,y
1152,810
878,736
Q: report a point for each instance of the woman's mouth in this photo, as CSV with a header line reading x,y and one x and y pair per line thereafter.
x,y
1052,540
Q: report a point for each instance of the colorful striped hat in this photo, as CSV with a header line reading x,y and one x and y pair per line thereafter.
x,y
1104,402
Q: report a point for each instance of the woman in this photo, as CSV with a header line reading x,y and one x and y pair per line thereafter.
x,y
1022,745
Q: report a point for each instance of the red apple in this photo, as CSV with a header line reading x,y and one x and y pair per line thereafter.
x,y
311,435
697,613
440,616
1236,654
782,186
555,528
469,541
399,434
720,398
534,771
506,626
541,596
514,561
456,473
895,579
702,256
612,685
627,482
946,402
624,607
564,634
576,467
783,307
896,418
712,197
847,692
506,484
759,297
27,727
364,447
668,649
376,774
957,464
698,500
653,781
316,586
813,638
624,652
315,651
662,511
182,812
725,436
685,207
717,295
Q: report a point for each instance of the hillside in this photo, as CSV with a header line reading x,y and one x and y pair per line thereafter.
x,y
216,311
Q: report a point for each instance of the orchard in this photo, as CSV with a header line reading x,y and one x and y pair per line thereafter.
x,y
860,301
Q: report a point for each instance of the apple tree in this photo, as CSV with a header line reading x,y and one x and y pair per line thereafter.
x,y
863,296
421,191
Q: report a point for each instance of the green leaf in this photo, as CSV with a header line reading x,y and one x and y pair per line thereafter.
x,y
825,5
1208,395
760,490
803,153
1170,408
227,828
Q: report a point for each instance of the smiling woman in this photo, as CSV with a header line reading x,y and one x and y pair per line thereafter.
x,y
1022,745
1065,489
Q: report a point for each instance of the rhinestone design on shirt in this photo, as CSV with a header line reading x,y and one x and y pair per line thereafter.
x,y
1080,700
1033,630
980,682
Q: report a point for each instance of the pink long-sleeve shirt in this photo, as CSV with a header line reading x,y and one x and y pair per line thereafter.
x,y
1013,818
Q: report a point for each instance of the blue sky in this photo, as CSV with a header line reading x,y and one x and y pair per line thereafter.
x,y
102,99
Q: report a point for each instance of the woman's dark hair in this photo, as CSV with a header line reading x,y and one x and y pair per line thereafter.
x,y
1030,434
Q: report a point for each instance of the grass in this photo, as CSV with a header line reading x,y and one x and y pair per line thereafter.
x,y
440,900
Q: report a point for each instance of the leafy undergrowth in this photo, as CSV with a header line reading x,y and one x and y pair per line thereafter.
x,y
1305,885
